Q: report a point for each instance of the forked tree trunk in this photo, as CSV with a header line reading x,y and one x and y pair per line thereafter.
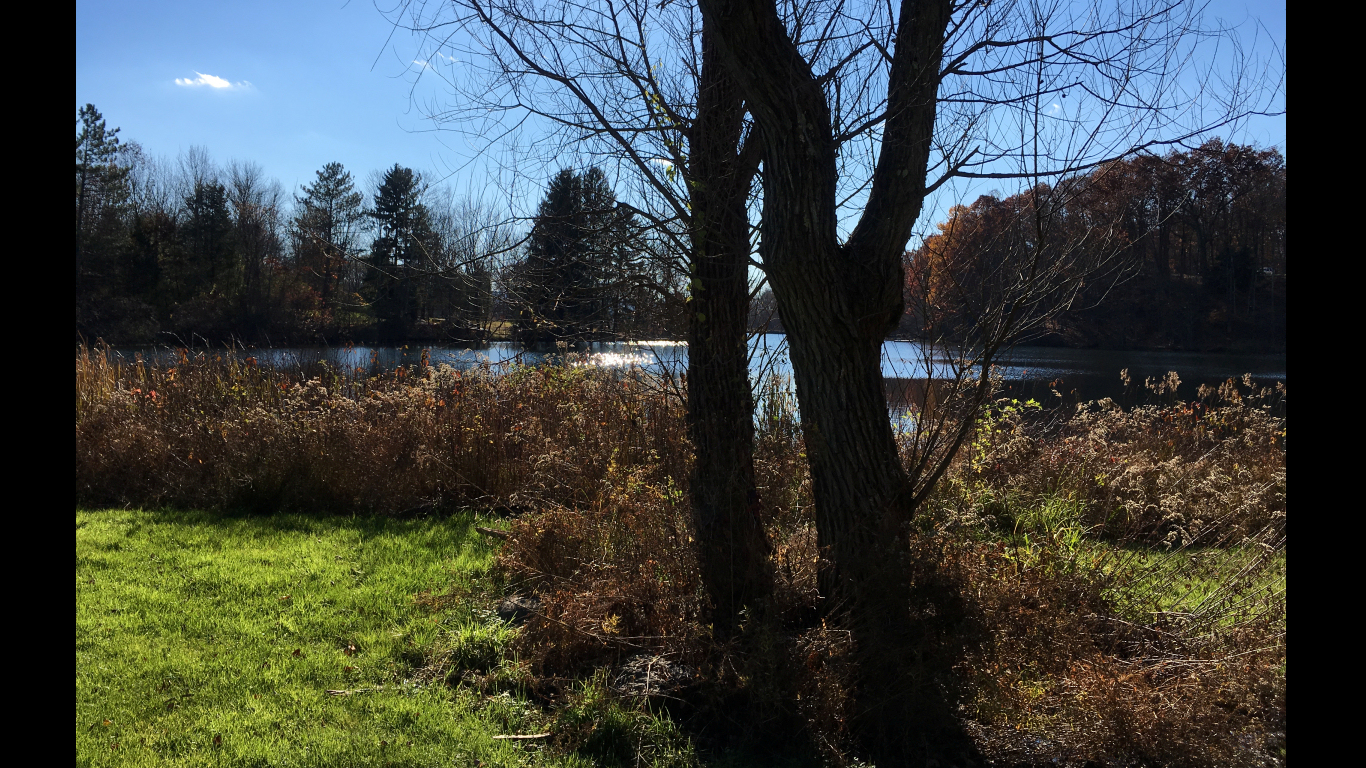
x,y
732,548
863,506
838,300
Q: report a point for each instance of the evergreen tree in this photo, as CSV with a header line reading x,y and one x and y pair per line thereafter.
x,y
326,229
402,240
101,192
154,240
579,261
211,258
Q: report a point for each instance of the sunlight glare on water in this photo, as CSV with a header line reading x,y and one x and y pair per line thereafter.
x,y
1049,374
616,360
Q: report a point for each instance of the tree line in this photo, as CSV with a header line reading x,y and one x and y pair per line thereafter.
x,y
194,252
1200,243
1198,236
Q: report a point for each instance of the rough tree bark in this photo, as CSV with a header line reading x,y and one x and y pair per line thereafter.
x,y
838,301
732,548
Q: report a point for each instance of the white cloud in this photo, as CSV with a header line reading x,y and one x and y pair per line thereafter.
x,y
212,81
424,64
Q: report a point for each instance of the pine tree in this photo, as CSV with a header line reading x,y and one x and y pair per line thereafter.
x,y
101,192
326,227
212,263
570,285
404,236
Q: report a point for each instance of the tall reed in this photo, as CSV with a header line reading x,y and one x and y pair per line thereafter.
x,y
215,431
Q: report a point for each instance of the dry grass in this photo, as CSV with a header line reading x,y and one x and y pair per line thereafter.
x,y
1113,581
218,433
1072,672
615,580
1129,570
1207,472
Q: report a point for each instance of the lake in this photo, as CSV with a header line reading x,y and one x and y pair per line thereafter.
x,y
1076,374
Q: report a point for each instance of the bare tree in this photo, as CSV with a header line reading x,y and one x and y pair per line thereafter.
x,y
474,240
859,112
639,87
258,218
195,168
152,185
862,111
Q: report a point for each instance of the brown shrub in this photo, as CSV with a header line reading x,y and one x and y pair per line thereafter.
x,y
615,579
1128,568
1073,672
216,432
1116,577
1210,471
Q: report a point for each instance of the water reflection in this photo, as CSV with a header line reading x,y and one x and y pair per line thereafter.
x,y
1046,374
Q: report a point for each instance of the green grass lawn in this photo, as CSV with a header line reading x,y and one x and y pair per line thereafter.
x,y
215,640
211,640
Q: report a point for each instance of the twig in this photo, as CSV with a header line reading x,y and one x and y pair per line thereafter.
x,y
522,735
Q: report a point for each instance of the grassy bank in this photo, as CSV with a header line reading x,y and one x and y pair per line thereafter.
x,y
1103,584
203,640
222,434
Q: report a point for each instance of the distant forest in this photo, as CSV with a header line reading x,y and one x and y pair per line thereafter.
x,y
191,252
1199,242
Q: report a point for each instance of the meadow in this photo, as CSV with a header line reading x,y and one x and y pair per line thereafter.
x,y
286,640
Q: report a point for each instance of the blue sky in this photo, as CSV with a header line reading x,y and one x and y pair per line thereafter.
x,y
292,85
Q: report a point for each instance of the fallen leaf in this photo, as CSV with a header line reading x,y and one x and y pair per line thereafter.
x,y
298,652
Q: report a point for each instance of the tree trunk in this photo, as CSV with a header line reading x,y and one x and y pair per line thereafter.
x,y
732,548
1161,259
838,302
863,507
